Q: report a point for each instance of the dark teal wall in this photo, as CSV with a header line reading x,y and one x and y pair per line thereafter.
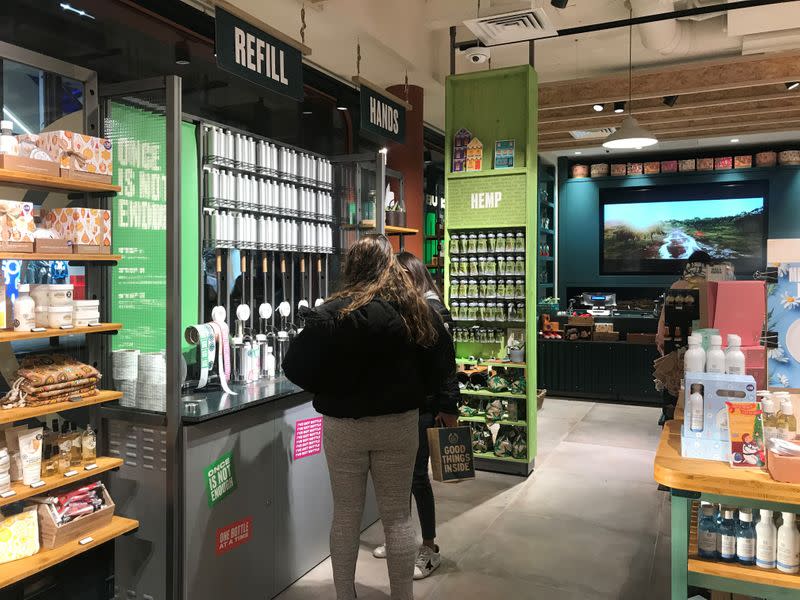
x,y
579,214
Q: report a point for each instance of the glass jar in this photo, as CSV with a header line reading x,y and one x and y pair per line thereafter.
x,y
463,266
491,288
519,289
472,311
481,247
472,289
491,242
521,311
510,289
481,265
511,268
482,288
512,312
491,308
455,310
472,243
500,242
481,311
501,288
454,266
472,268
519,242
491,265
519,266
455,244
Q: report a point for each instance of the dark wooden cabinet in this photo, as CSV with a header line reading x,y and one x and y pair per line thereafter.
x,y
614,371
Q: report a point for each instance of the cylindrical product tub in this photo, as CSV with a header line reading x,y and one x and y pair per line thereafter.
x,y
86,309
58,316
40,316
60,294
39,294
599,170
85,318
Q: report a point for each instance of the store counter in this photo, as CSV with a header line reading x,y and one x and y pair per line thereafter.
x,y
257,504
617,371
693,480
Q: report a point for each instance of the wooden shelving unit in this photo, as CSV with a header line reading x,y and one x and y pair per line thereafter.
x,y
16,336
53,482
61,184
73,258
18,570
26,412
393,230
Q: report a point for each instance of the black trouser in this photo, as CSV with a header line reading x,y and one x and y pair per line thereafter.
x,y
421,483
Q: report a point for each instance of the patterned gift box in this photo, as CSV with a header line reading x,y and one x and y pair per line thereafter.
x,y
89,229
669,166
635,168
80,156
722,163
652,168
16,226
687,164
618,169
743,162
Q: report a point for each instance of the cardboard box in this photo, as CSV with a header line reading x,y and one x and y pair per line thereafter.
x,y
29,165
89,229
54,535
645,339
52,245
78,155
16,226
783,468
717,389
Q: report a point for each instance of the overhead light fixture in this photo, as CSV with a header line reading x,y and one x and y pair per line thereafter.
x,y
670,100
341,107
734,140
182,54
308,112
792,85
559,3
384,150
619,107
630,134
598,107
81,13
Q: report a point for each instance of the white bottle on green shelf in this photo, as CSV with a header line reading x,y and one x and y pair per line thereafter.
x,y
788,558
766,541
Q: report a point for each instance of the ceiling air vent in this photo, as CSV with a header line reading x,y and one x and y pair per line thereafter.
x,y
508,28
592,134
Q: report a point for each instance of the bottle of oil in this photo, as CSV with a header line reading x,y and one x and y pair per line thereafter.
x,y
64,449
787,422
76,455
89,445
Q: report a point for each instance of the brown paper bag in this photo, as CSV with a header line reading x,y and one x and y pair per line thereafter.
x,y
451,453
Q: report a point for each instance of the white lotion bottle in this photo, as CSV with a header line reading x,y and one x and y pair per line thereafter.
x,y
270,363
788,557
766,541
694,361
696,408
734,357
24,310
715,358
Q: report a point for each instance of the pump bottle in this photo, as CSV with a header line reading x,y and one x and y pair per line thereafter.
x,y
766,541
787,422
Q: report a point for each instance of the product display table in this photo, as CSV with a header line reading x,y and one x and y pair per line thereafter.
x,y
692,480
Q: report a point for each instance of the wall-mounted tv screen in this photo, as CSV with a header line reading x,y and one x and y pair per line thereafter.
x,y
654,230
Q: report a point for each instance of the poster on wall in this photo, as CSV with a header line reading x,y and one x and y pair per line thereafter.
x,y
504,154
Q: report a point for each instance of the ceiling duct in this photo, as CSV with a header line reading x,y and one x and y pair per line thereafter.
x,y
512,27
592,134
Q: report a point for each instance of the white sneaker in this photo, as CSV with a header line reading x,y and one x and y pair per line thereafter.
x,y
428,561
380,551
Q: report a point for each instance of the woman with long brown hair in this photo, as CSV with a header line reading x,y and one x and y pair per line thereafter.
x,y
371,355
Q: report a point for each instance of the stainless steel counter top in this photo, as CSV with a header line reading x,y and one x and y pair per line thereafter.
x,y
202,406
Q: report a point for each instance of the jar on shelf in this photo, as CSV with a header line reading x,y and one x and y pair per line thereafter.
x,y
455,244
472,243
519,242
463,266
481,265
472,289
519,289
481,311
491,242
512,312
491,311
500,242
455,288
511,268
491,288
500,311
472,311
510,288
455,310
483,288
481,247
491,265
501,288
455,266
473,266
519,265
521,312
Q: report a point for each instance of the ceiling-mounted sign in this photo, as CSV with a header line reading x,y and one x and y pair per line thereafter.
x,y
249,52
382,113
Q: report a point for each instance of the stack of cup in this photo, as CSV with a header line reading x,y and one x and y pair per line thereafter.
x,y
125,370
151,389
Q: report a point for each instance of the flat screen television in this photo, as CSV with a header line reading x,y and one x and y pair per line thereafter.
x,y
653,230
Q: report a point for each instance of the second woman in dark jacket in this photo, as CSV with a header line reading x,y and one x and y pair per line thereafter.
x,y
371,355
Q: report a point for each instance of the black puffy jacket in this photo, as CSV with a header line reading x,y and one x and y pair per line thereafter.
x,y
363,364
448,397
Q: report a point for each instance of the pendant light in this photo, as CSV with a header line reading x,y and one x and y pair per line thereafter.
x,y
630,135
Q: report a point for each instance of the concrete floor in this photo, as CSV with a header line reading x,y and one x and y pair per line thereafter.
x,y
589,523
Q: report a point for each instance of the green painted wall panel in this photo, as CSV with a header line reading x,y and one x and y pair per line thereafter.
x,y
190,234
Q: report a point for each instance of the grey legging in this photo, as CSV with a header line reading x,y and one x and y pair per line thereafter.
x,y
386,447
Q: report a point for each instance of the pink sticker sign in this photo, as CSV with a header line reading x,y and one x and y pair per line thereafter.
x,y
307,437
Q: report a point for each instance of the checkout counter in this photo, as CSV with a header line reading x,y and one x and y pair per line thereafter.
x,y
618,370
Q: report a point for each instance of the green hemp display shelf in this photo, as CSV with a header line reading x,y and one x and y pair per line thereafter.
x,y
492,226
692,480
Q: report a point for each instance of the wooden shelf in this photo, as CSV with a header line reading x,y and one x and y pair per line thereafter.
x,y
749,574
53,482
48,182
20,569
74,258
392,230
492,394
500,422
26,412
16,336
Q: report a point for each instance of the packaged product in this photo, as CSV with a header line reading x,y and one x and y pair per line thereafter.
x,y
481,438
80,156
19,536
669,166
504,442
618,169
16,226
89,229
652,167
723,162
30,448
519,445
746,432
743,162
635,168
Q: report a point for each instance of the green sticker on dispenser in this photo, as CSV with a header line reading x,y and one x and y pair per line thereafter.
x,y
220,479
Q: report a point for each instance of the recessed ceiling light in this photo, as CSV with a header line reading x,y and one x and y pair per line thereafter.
x,y
734,140
308,112
341,107
619,107
578,152
598,107
182,54
792,85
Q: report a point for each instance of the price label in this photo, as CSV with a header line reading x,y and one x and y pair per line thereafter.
x,y
88,539
90,467
70,473
37,484
8,494
39,329
67,327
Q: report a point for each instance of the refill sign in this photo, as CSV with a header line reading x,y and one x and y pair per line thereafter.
x,y
250,53
382,116
220,479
